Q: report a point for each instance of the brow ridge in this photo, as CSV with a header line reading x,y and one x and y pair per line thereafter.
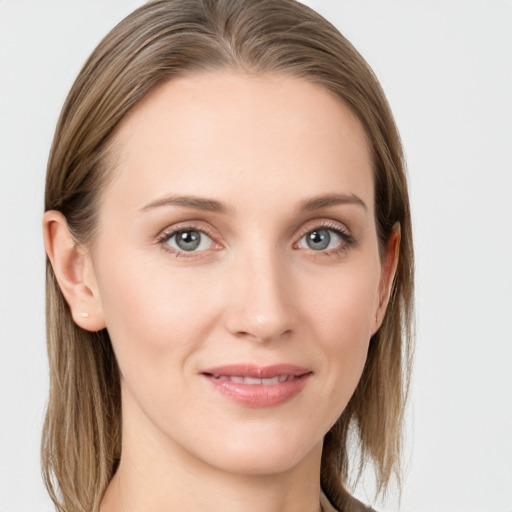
x,y
326,200
212,205
198,203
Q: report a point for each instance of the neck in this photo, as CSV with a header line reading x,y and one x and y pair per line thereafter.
x,y
153,479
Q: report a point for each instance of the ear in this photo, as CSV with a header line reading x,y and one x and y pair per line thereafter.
x,y
388,271
74,272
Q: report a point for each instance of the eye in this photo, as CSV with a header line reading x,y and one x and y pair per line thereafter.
x,y
320,240
188,240
325,239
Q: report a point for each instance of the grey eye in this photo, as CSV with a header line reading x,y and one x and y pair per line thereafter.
x,y
190,240
320,240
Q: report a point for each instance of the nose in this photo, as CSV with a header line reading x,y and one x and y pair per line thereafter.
x,y
260,299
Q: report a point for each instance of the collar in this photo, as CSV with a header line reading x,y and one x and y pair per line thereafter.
x,y
325,504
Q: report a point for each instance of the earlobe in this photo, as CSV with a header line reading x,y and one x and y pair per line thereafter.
x,y
389,266
74,273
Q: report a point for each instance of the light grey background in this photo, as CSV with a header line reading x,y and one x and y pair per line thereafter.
x,y
447,70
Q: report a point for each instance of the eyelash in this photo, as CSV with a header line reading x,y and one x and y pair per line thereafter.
x,y
347,239
166,235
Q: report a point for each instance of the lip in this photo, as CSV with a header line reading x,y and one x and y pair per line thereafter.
x,y
239,383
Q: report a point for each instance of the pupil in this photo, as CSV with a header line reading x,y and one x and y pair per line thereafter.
x,y
319,240
188,240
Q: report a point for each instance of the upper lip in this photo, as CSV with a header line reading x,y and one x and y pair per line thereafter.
x,y
256,372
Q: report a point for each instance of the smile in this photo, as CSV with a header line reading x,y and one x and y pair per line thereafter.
x,y
258,387
251,381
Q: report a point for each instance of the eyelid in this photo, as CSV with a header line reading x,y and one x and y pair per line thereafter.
x,y
199,225
328,224
191,225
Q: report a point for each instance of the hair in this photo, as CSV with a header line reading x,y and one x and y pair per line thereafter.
x,y
81,445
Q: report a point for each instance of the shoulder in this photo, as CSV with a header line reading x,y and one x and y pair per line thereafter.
x,y
355,506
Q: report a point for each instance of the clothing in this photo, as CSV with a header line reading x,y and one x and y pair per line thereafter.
x,y
327,506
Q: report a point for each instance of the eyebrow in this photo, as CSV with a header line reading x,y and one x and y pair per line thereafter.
x,y
326,200
198,203
211,205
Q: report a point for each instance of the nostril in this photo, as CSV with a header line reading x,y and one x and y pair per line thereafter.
x,y
261,336
258,308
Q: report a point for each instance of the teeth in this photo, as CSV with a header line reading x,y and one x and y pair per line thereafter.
x,y
252,381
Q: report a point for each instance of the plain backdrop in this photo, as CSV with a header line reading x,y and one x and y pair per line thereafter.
x,y
446,67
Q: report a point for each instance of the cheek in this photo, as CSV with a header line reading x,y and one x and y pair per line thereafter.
x,y
157,319
343,315
346,305
152,311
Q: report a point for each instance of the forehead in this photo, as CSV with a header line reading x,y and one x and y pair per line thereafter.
x,y
237,136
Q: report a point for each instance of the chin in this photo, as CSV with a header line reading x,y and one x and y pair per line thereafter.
x,y
261,455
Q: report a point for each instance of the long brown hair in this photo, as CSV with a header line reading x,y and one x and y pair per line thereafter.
x,y
81,444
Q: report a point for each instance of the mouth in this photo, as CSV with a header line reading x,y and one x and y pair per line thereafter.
x,y
252,381
258,386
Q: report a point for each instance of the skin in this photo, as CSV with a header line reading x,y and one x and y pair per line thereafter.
x,y
255,291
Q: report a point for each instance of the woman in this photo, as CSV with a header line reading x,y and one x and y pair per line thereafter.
x,y
229,278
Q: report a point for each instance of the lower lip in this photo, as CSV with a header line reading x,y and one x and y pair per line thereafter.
x,y
259,395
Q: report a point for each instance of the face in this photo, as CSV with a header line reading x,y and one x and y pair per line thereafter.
x,y
237,269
